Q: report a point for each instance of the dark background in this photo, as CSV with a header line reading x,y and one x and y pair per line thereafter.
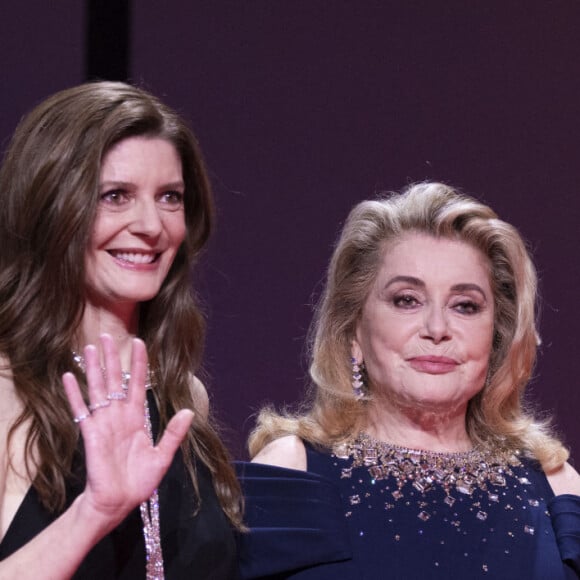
x,y
304,108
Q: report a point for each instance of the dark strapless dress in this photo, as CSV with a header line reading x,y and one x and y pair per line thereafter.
x,y
336,521
200,546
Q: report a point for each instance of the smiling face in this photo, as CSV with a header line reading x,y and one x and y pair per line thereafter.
x,y
140,222
425,332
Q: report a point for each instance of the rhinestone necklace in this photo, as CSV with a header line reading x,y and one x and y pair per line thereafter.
x,y
149,508
462,472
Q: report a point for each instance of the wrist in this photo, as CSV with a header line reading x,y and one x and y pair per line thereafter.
x,y
94,519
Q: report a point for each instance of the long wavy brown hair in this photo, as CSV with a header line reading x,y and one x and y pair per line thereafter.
x,y
499,414
48,201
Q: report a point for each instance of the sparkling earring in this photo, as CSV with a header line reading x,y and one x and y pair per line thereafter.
x,y
358,384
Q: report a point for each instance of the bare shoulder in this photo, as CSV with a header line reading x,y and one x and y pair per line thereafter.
x,y
288,451
565,480
199,396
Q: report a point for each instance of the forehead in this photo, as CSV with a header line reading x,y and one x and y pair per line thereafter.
x,y
434,261
141,152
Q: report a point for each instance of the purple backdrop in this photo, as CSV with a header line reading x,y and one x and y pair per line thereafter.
x,y
305,108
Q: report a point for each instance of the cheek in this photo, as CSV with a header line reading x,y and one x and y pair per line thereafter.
x,y
96,233
481,342
382,353
383,336
176,228
181,227
104,228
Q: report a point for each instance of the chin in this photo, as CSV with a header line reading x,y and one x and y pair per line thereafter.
x,y
134,297
437,401
144,297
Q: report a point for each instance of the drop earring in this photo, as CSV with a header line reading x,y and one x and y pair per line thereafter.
x,y
358,385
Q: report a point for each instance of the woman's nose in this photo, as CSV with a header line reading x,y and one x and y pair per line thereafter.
x,y
146,219
435,325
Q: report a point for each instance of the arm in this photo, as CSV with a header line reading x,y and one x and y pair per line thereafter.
x,y
123,467
288,451
564,480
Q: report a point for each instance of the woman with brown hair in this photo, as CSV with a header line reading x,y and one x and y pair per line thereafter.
x,y
415,455
104,207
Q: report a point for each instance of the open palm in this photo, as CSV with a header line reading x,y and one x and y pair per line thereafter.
x,y
123,465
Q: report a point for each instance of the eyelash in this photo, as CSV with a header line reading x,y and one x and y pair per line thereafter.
x,y
408,302
467,307
405,301
114,197
177,197
117,197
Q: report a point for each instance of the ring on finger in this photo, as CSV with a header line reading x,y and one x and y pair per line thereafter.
x,y
117,396
80,418
99,405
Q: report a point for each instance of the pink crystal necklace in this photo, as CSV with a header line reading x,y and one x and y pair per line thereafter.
x,y
149,508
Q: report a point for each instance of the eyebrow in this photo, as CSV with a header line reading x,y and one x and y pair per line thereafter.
x,y
463,287
129,184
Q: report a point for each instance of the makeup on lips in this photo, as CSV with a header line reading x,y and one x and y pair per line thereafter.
x,y
434,365
136,260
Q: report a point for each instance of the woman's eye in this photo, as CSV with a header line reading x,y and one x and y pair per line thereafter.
x,y
467,307
172,199
114,197
405,301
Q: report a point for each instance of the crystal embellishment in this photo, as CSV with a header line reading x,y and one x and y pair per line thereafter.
x,y
149,508
461,472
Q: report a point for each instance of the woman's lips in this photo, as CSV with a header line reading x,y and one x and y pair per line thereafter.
x,y
434,365
135,256
135,260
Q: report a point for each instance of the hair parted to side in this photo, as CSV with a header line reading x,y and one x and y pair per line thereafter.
x,y
49,185
496,415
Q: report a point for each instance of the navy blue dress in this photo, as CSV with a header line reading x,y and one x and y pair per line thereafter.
x,y
336,521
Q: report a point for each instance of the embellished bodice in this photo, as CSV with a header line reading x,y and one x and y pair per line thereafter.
x,y
466,515
459,472
407,514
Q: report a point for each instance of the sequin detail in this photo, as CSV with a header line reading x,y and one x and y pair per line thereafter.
x,y
150,518
149,508
455,472
411,477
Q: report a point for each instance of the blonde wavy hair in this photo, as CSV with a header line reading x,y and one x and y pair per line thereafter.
x,y
498,415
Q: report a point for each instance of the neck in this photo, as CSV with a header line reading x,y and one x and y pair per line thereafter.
x,y
121,323
418,428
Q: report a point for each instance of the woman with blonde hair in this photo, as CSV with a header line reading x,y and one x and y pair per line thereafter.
x,y
415,455
104,207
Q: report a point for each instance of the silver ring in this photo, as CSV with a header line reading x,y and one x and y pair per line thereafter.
x,y
99,405
80,418
117,396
